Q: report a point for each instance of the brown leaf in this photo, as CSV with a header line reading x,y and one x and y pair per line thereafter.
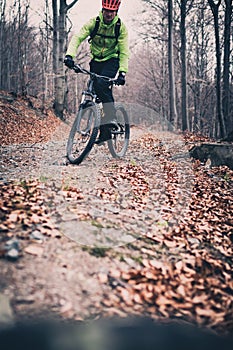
x,y
34,249
103,277
127,296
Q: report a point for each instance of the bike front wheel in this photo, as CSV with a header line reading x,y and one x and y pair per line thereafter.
x,y
83,132
118,144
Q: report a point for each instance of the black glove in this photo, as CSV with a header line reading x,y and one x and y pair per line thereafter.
x,y
121,78
69,62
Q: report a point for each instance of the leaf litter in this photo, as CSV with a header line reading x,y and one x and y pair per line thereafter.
x,y
179,265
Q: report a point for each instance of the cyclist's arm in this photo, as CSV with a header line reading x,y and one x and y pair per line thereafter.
x,y
78,38
123,46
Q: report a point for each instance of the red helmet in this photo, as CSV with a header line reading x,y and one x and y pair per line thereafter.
x,y
111,4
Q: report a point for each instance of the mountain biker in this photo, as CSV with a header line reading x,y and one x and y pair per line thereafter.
x,y
109,56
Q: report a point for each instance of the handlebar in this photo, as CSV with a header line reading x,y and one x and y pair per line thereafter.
x,y
79,69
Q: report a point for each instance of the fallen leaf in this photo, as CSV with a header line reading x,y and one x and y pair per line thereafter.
x,y
33,249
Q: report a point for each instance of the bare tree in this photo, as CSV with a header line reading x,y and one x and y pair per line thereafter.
x,y
215,10
59,41
183,14
2,31
172,94
199,41
14,51
227,113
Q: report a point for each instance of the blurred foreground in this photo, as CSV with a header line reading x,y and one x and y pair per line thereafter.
x,y
114,334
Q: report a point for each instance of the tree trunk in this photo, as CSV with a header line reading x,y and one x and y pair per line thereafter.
x,y
172,94
228,119
59,39
45,57
215,10
60,86
2,30
183,66
55,49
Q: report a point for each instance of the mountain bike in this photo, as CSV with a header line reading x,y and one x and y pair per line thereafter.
x,y
86,125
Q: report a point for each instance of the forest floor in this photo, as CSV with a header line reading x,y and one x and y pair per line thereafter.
x,y
150,234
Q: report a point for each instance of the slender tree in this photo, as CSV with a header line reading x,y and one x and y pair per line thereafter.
x,y
172,93
2,31
215,10
59,40
184,9
228,119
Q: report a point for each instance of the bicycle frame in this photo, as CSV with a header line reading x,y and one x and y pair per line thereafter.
x,y
90,85
89,92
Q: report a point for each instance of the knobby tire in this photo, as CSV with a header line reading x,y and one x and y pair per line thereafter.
x,y
83,132
119,142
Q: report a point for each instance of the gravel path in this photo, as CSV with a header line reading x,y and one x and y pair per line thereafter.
x,y
101,209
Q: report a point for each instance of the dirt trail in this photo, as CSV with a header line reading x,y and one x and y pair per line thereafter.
x,y
102,203
149,234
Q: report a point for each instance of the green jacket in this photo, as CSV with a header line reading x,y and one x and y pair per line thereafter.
x,y
103,49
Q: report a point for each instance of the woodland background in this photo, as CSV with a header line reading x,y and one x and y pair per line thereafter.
x,y
180,65
173,214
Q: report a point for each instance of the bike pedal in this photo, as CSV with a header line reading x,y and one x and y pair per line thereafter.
x,y
117,132
114,125
100,141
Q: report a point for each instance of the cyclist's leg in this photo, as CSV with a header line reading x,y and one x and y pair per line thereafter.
x,y
108,68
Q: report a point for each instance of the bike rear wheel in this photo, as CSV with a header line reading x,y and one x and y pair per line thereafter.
x,y
83,132
119,142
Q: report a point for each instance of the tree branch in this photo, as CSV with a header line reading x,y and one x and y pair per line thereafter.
x,y
71,4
